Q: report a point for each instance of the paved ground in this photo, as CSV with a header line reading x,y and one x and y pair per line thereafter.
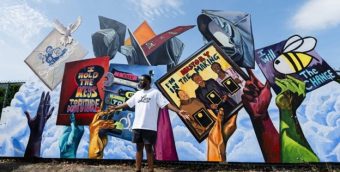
x,y
51,165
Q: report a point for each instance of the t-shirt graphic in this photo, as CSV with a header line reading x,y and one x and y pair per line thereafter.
x,y
144,99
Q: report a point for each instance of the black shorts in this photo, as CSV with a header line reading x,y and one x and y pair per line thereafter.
x,y
144,136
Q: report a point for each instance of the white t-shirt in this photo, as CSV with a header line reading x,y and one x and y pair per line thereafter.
x,y
147,104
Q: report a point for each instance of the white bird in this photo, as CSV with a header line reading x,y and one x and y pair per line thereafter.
x,y
66,32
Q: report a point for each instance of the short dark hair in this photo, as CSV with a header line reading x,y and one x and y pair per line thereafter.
x,y
147,77
215,63
193,75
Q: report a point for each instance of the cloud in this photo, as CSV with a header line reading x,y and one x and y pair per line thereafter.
x,y
20,21
189,152
321,108
117,148
151,9
243,145
317,15
20,25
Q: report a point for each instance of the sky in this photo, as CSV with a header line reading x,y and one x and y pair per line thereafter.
x,y
25,23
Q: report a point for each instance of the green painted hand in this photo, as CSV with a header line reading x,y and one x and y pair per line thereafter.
x,y
293,92
294,146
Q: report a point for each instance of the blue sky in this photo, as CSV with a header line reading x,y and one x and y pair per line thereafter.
x,y
25,23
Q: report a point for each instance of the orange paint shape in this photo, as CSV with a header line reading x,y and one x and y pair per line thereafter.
x,y
143,34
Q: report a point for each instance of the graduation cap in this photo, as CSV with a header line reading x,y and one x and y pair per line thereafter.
x,y
120,28
151,45
232,32
167,54
162,49
105,42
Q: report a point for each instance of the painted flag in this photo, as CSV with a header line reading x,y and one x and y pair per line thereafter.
x,y
232,31
165,148
143,33
151,45
296,57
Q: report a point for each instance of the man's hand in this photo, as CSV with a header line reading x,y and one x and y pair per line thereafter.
x,y
293,92
184,114
256,97
238,81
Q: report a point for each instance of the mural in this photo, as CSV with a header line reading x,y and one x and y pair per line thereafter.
x,y
234,114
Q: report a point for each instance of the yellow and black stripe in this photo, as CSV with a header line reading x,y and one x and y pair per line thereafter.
x,y
297,61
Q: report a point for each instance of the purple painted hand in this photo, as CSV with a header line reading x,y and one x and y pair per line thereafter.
x,y
37,125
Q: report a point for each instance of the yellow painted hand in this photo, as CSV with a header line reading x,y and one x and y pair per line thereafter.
x,y
98,139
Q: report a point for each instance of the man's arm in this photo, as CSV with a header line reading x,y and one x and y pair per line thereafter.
x,y
182,113
121,106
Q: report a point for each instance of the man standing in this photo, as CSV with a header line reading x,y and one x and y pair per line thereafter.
x,y
213,95
147,103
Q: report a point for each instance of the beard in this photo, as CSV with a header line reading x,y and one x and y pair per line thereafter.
x,y
142,85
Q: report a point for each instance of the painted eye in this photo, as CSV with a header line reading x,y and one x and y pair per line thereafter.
x,y
277,62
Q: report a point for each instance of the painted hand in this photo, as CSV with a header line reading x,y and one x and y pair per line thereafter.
x,y
216,145
37,125
44,112
69,141
293,92
98,140
256,97
294,146
214,106
184,114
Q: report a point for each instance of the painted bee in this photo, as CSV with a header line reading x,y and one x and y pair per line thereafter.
x,y
294,57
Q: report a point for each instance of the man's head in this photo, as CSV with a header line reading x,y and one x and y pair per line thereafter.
x,y
144,81
216,67
198,79
182,95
